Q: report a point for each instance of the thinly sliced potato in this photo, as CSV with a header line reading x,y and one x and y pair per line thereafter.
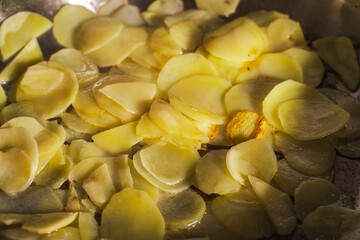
x,y
69,233
263,18
134,69
73,201
222,7
162,42
130,15
187,35
212,175
277,205
74,122
109,7
88,226
132,214
252,158
17,233
166,7
315,193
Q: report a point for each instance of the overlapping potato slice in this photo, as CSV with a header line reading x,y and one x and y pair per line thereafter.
x,y
166,7
65,27
187,35
74,122
254,157
28,56
242,214
288,179
17,233
312,67
313,157
88,226
130,15
109,7
315,193
271,67
222,8
201,98
132,214
263,17
277,205
131,68
17,30
70,233
340,55
332,222
145,56
162,42
212,175
240,40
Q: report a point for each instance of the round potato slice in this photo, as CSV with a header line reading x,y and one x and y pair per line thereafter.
x,y
132,214
315,193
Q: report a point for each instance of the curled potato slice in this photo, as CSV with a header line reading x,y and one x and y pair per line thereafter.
x,y
277,205
312,157
254,157
332,222
201,98
19,29
181,210
212,175
132,214
222,8
315,193
65,27
184,66
240,40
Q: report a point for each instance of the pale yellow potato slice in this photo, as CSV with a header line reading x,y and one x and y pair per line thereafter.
x,y
286,91
254,157
181,210
184,66
74,122
47,223
109,7
173,122
120,47
263,17
277,205
315,193
201,98
136,70
169,163
288,179
17,30
313,157
98,186
166,7
212,175
240,40
86,71
132,214
223,7
284,33
340,55
153,19
118,139
305,119
312,67
72,203
90,149
144,55
28,56
162,42
2,98
18,234
67,21
96,33
134,97
31,124
187,35
89,228
226,69
69,233
332,222
271,67
247,96
130,15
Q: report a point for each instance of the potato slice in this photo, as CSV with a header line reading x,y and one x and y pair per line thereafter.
x,y
98,186
118,139
184,66
263,17
28,56
130,15
69,233
222,8
72,202
226,69
201,98
240,40
132,214
348,147
187,35
109,7
181,210
312,67
47,223
89,228
162,42
212,175
74,122
19,234
315,193
90,149
254,157
144,55
314,157
332,222
288,179
17,30
136,70
305,119
340,55
284,33
166,7
277,205
86,71
67,21
248,96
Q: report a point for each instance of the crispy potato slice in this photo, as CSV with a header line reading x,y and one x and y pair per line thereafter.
x,y
222,8
65,27
132,214
17,30
315,193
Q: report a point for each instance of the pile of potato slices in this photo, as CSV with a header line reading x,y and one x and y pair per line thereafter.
x,y
174,123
